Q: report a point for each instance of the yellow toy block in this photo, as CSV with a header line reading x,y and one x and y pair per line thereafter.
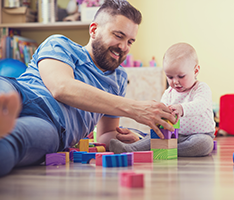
x,y
101,148
84,145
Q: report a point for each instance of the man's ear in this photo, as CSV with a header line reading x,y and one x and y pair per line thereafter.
x,y
93,30
196,70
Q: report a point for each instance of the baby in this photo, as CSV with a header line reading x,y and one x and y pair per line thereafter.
x,y
189,99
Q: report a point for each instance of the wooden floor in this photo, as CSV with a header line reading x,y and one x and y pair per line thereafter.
x,y
209,178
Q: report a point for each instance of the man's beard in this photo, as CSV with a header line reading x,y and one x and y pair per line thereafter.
x,y
102,57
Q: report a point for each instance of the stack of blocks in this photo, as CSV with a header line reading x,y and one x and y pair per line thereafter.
x,y
166,148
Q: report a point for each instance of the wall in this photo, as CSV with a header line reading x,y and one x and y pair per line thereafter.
x,y
207,25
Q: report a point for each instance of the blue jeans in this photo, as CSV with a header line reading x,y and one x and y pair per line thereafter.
x,y
31,139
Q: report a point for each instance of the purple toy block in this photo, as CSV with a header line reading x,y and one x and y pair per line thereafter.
x,y
215,145
168,134
55,159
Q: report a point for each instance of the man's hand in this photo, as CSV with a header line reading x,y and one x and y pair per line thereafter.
x,y
126,136
152,113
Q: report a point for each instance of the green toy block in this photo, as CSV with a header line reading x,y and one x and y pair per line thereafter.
x,y
164,154
176,126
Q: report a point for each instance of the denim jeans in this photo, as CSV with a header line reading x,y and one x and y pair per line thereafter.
x,y
29,141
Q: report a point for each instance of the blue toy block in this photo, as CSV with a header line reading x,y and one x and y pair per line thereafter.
x,y
130,157
115,160
77,156
86,157
153,135
167,134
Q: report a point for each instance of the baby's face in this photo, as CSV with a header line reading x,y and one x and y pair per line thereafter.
x,y
181,74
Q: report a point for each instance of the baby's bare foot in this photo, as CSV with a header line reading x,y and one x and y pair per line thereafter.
x,y
10,106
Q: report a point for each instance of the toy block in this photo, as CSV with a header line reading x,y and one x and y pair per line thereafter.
x,y
71,149
99,157
163,143
100,148
166,120
176,126
98,144
77,156
86,157
167,134
66,156
143,156
130,157
153,134
55,159
84,145
115,160
93,149
131,179
215,145
71,154
164,154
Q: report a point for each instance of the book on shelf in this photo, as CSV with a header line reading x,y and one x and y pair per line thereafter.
x,y
16,47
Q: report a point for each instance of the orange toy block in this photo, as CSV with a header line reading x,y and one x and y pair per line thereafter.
x,y
164,143
84,145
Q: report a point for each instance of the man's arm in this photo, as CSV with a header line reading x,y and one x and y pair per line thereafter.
x,y
108,128
59,79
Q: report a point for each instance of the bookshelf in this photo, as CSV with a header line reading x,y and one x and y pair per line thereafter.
x,y
40,31
35,26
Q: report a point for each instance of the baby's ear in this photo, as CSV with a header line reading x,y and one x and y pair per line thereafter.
x,y
196,69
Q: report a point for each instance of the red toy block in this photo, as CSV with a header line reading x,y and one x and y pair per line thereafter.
x,y
226,113
143,156
99,157
93,149
131,179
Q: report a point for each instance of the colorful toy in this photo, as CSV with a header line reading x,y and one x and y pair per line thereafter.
x,y
143,156
77,156
130,157
86,157
55,159
164,154
165,148
215,145
163,144
84,145
115,160
131,180
99,157
66,156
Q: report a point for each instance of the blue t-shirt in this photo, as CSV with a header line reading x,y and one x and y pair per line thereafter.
x,y
76,123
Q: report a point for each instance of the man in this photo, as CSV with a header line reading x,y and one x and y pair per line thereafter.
x,y
68,89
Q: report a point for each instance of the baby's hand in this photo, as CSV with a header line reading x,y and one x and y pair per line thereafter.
x,y
177,109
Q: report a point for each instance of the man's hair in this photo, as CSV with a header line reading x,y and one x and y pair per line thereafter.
x,y
120,7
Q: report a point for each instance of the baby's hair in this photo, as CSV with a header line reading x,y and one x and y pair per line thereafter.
x,y
180,51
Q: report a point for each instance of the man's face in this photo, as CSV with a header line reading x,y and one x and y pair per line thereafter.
x,y
113,42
